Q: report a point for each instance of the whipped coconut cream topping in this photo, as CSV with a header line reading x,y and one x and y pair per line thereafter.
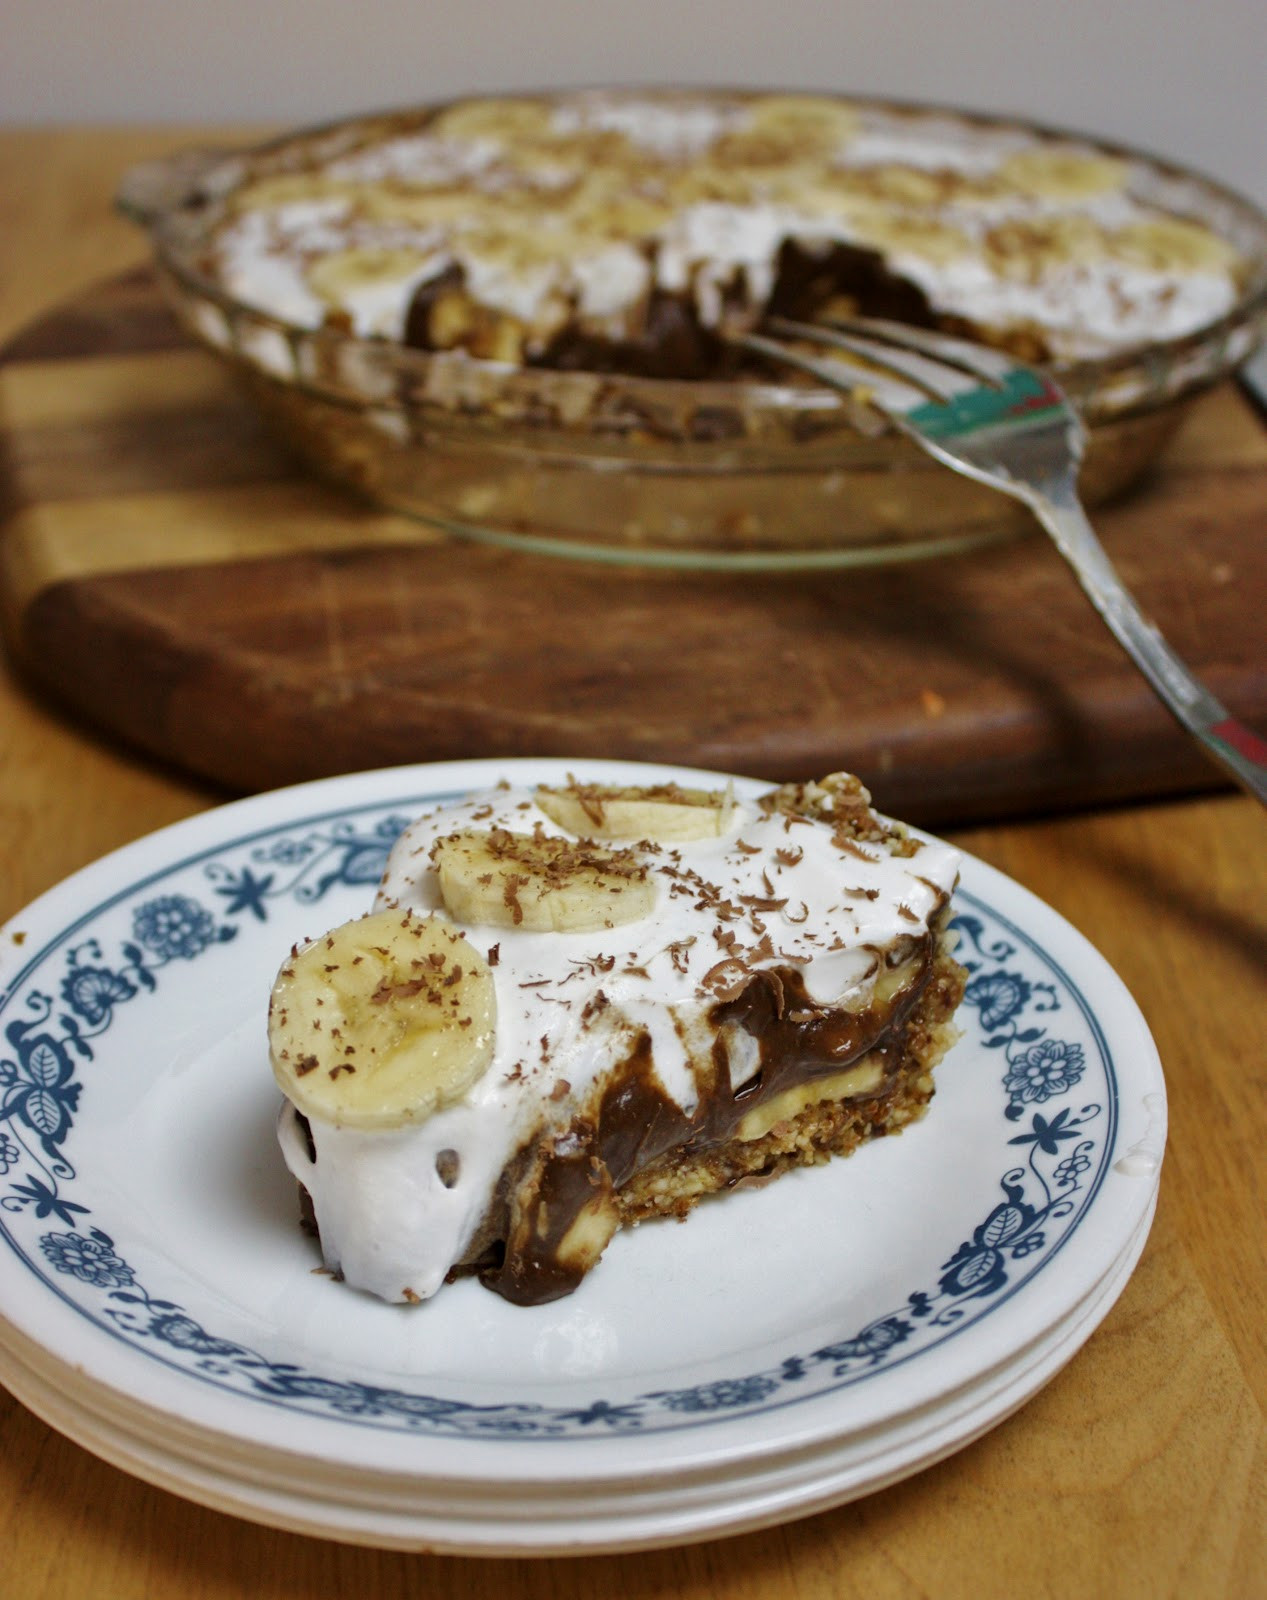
x,y
609,281
397,1208
934,145
713,246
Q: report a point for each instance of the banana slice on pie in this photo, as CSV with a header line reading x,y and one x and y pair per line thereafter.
x,y
334,277
913,235
1171,244
291,188
419,208
506,120
1062,174
803,119
382,1021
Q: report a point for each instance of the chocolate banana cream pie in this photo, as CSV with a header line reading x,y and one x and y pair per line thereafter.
x,y
632,231
581,1007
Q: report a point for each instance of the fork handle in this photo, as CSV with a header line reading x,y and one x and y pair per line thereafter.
x,y
1236,748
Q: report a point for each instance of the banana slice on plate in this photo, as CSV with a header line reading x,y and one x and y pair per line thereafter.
x,y
662,813
539,882
382,1021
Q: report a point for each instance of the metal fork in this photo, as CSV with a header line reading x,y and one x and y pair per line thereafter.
x,y
1011,426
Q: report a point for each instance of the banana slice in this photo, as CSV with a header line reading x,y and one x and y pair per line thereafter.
x,y
912,235
1055,174
901,186
803,119
507,120
532,881
333,277
663,813
420,208
618,216
703,183
1018,249
503,241
290,188
1172,244
382,1022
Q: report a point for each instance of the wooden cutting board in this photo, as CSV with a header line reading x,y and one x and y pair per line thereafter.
x,y
168,573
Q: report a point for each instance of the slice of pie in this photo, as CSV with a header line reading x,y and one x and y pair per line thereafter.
x,y
580,1007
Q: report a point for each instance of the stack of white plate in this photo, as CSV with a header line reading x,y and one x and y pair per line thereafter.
x,y
788,1349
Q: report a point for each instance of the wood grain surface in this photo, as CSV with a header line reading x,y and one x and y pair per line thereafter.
x,y
168,572
1140,1471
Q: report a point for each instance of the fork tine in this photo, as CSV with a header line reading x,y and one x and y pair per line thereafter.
x,y
991,365
939,379
844,372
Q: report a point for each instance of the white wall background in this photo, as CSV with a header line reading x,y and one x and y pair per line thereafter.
x,y
1183,78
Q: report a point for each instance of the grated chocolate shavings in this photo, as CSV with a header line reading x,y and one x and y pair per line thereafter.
x,y
849,847
676,952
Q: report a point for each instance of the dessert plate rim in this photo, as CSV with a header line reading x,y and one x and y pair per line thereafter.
x,y
661,1515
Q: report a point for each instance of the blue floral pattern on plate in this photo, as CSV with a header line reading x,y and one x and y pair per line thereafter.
x,y
1018,1003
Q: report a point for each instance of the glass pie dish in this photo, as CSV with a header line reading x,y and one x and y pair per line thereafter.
x,y
735,470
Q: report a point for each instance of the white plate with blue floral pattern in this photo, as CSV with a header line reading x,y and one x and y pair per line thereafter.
x,y
787,1347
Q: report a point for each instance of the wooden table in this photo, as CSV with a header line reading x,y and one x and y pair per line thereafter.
x,y
1140,1470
